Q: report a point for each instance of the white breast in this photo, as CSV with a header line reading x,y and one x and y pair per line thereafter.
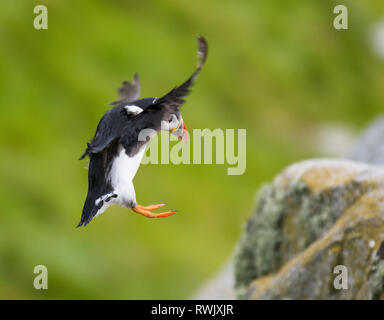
x,y
123,171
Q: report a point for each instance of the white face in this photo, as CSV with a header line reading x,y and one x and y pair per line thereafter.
x,y
172,124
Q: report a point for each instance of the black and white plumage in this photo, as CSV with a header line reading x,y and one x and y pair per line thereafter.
x,y
115,151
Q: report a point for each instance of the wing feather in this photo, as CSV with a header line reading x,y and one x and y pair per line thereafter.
x,y
130,91
108,130
163,107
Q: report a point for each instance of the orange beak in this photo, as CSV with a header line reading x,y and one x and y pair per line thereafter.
x,y
181,132
185,134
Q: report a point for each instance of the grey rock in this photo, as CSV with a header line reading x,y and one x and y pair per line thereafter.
x,y
315,215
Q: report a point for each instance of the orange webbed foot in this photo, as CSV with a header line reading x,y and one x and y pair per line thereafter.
x,y
152,207
146,211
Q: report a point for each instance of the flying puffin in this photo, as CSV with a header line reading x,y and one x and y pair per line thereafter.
x,y
115,152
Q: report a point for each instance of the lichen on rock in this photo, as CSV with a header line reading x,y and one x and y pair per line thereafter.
x,y
315,215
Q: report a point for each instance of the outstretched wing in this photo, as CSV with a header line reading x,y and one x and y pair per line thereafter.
x,y
117,124
130,91
163,107
174,99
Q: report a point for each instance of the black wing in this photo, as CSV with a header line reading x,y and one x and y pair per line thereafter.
x,y
130,91
162,108
113,121
117,124
108,130
111,124
174,99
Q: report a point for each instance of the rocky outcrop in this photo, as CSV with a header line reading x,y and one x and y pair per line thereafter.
x,y
314,216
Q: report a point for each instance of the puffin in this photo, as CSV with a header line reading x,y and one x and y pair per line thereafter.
x,y
116,150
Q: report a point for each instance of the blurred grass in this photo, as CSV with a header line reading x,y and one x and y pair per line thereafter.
x,y
274,67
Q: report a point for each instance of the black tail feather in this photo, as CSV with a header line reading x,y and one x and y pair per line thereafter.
x,y
98,185
89,211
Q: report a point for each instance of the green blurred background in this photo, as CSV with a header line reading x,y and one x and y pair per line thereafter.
x,y
277,68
